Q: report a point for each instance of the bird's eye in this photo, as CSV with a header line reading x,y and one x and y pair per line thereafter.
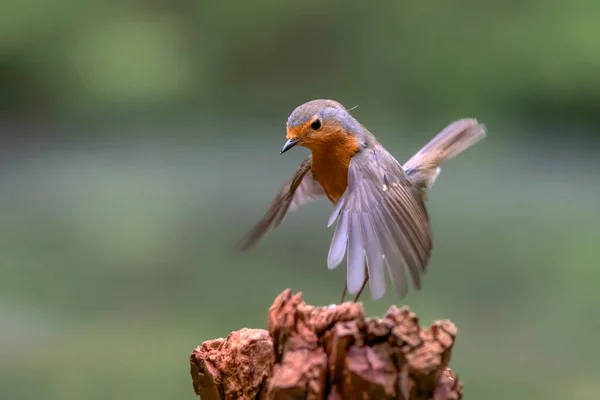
x,y
316,125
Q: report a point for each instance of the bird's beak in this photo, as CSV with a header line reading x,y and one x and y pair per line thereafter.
x,y
288,145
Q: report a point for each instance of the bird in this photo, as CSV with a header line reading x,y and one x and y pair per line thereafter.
x,y
381,221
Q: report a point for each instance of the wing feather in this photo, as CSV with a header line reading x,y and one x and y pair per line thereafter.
x,y
424,167
388,214
300,189
337,250
374,254
355,273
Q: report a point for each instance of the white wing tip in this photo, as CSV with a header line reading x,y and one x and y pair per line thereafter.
x,y
376,295
333,264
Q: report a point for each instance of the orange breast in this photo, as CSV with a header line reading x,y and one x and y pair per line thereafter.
x,y
330,166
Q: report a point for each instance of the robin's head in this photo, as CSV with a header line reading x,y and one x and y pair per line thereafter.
x,y
318,122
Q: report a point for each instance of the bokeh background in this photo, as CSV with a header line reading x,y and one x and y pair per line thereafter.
x,y
140,141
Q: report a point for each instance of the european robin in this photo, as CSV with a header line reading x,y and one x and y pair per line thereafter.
x,y
379,204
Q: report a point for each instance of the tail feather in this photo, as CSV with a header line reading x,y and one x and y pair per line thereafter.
x,y
424,167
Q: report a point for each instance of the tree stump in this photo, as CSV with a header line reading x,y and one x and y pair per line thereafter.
x,y
330,353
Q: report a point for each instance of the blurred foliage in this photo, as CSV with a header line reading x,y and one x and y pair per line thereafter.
x,y
116,260
532,58
140,140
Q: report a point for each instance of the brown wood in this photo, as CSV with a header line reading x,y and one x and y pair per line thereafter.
x,y
330,353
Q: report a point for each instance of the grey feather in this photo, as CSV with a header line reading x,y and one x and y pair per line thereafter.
x,y
300,189
374,255
388,213
336,211
424,167
355,273
337,250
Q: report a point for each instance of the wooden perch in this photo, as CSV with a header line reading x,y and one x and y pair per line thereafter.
x,y
328,353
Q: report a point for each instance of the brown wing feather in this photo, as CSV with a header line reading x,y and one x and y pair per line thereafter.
x,y
383,213
300,189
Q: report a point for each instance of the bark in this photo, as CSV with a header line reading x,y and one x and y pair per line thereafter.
x,y
330,352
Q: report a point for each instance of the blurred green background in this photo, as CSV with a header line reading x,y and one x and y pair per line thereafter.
x,y
139,141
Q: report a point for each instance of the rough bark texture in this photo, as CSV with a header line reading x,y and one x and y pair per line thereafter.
x,y
329,353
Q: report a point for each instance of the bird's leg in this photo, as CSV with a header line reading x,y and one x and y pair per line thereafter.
x,y
363,285
344,292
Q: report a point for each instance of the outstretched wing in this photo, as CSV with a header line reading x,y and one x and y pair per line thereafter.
x,y
300,189
380,217
424,167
